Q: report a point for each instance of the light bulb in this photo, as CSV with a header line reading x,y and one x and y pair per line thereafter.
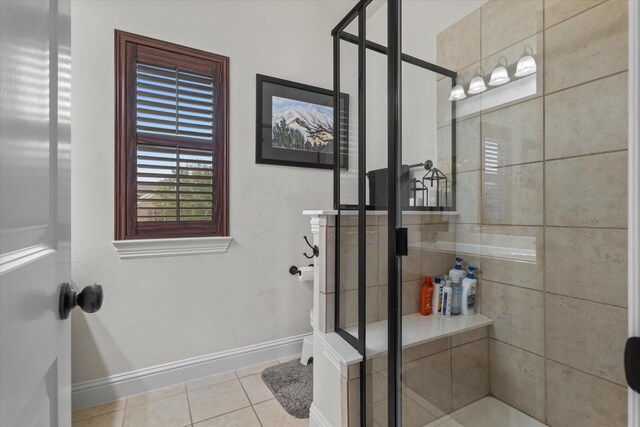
x,y
477,85
526,66
457,93
499,76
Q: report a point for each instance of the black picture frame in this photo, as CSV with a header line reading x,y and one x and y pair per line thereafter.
x,y
266,153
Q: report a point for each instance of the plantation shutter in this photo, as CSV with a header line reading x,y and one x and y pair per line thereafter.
x,y
176,170
174,184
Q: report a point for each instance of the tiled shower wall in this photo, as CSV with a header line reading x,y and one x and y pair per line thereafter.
x,y
556,348
438,377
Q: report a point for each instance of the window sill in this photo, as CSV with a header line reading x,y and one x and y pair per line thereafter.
x,y
155,248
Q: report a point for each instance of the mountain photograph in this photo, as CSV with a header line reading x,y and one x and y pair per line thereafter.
x,y
298,125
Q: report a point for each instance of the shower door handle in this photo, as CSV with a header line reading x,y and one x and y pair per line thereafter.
x,y
632,363
402,241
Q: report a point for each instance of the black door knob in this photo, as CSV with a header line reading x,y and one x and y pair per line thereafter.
x,y
89,299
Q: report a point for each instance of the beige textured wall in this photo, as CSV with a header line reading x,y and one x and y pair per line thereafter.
x,y
555,350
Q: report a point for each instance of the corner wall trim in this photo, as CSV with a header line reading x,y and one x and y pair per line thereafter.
x,y
317,418
117,386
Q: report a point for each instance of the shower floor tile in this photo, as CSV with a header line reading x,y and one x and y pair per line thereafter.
x,y
487,412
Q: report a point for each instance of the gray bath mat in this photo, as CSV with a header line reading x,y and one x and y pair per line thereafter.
x,y
292,384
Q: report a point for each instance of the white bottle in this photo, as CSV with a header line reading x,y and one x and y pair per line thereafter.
x,y
447,296
469,285
457,273
436,303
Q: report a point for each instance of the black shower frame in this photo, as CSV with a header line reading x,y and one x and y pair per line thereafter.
x,y
395,57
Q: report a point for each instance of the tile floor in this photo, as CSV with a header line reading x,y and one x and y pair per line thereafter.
x,y
241,399
487,412
232,399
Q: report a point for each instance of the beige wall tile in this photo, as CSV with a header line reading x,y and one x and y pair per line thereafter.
x,y
349,307
516,132
412,265
467,146
499,18
423,350
459,44
517,378
468,197
518,315
411,292
470,372
513,195
353,401
430,378
470,336
587,119
383,294
559,10
383,243
443,113
167,412
587,336
349,257
587,191
437,263
587,263
524,274
443,145
586,47
578,399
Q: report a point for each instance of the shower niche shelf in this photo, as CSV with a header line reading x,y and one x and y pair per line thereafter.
x,y
418,329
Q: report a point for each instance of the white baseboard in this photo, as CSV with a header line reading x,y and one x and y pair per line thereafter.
x,y
117,386
317,418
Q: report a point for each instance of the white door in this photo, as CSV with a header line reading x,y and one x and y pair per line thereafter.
x,y
35,344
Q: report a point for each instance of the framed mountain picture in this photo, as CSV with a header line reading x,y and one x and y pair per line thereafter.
x,y
295,122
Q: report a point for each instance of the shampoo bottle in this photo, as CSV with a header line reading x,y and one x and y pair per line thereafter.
x,y
469,286
426,297
436,304
456,299
457,273
447,294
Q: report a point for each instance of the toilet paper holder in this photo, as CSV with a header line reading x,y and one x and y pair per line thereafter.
x,y
293,270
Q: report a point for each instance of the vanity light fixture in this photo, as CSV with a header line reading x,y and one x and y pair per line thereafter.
x,y
499,75
477,84
526,64
457,92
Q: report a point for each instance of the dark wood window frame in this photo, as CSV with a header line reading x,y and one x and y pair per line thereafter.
x,y
129,49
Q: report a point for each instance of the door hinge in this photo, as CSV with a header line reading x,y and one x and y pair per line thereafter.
x,y
402,241
632,363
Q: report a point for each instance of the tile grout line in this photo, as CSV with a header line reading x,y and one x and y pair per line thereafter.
x,y
573,16
249,399
186,392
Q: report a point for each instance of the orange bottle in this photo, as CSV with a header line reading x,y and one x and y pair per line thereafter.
x,y
426,296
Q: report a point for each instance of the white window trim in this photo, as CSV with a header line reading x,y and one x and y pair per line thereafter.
x,y
155,248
